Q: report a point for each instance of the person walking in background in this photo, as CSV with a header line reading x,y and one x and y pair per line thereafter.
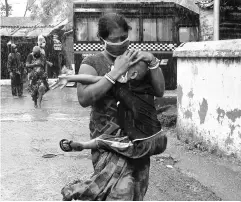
x,y
38,86
15,69
42,44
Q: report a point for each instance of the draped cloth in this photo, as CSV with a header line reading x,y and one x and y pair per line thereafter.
x,y
121,162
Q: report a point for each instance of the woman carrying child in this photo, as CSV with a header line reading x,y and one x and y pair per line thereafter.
x,y
115,177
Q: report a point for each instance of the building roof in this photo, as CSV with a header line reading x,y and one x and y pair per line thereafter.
x,y
20,22
25,26
189,4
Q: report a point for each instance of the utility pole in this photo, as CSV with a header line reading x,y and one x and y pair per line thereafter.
x,y
216,11
7,8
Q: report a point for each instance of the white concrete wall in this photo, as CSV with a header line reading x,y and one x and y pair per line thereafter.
x,y
209,94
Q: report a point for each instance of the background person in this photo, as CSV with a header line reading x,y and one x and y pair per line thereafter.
x,y
42,45
15,69
36,63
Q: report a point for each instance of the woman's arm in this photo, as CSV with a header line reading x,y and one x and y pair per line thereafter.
x,y
88,94
157,78
29,61
28,65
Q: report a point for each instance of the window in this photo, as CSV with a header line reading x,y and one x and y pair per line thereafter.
x,y
81,33
188,34
149,29
92,29
157,29
164,29
86,29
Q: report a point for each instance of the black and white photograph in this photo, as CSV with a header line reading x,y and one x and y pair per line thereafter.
x,y
120,100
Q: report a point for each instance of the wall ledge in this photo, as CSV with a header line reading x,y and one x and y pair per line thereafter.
x,y
212,49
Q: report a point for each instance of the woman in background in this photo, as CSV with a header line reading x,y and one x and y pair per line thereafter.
x,y
15,69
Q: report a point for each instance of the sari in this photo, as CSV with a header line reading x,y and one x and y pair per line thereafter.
x,y
115,176
37,76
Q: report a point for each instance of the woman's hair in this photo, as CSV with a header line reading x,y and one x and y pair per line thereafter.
x,y
111,21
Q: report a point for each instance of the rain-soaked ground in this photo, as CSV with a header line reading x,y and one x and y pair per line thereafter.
x,y
28,133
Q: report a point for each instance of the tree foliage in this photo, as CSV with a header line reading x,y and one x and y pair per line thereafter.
x,y
4,9
51,10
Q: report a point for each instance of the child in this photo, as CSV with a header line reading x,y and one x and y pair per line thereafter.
x,y
137,117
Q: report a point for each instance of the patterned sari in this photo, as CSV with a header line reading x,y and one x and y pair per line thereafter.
x,y
115,177
37,76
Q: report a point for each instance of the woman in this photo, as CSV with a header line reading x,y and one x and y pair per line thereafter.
x,y
15,69
115,177
38,86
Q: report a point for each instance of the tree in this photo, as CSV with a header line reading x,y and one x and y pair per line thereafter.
x,y
51,10
7,9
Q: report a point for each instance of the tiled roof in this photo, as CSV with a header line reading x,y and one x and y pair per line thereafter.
x,y
22,26
189,4
20,22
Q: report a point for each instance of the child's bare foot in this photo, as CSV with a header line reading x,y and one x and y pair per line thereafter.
x,y
69,146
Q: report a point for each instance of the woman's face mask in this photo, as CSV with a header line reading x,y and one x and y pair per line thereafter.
x,y
116,49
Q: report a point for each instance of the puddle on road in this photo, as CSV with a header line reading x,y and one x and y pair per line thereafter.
x,y
57,105
41,116
58,116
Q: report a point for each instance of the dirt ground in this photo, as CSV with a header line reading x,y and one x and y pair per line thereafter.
x,y
27,134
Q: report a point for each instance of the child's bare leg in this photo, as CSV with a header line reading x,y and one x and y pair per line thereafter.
x,y
79,146
41,91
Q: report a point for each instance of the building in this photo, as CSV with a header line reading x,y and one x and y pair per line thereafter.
x,y
23,31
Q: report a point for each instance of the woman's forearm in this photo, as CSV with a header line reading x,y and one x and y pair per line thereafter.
x,y
88,94
158,81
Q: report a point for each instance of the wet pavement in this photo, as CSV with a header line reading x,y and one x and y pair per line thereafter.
x,y
28,133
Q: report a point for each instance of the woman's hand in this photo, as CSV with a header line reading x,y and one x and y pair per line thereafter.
x,y
61,82
144,56
123,62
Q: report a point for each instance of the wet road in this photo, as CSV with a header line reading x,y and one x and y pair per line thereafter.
x,y
28,133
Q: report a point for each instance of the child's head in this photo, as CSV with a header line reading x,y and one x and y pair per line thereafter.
x,y
36,52
136,71
41,41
